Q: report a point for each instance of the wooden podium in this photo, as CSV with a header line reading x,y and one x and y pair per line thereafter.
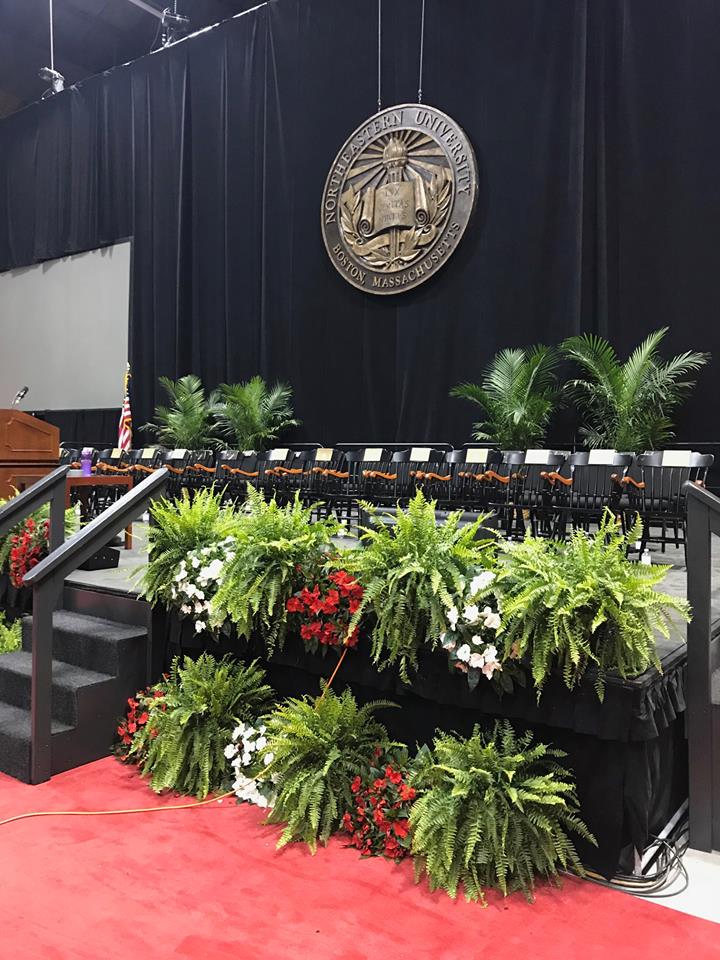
x,y
29,449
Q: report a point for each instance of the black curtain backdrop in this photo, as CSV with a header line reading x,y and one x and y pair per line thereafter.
x,y
597,132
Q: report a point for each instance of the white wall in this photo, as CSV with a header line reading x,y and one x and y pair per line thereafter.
x,y
64,330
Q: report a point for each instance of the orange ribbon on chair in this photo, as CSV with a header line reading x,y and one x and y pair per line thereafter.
x,y
552,477
379,474
238,470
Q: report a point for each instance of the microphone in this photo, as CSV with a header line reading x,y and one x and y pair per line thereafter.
x,y
22,392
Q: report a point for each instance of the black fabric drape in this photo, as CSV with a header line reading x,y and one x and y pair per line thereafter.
x,y
597,133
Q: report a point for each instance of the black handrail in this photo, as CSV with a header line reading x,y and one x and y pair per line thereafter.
x,y
703,651
47,580
50,488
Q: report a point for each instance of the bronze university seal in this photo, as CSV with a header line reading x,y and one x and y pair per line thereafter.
x,y
398,198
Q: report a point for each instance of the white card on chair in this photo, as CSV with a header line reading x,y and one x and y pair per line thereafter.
x,y
177,454
536,456
419,453
601,456
115,453
147,453
676,458
372,453
323,455
477,455
279,453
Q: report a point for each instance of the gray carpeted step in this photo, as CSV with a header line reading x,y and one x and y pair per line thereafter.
x,y
70,685
91,642
15,740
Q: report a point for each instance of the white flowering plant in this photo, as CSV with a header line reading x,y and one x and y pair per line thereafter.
x,y
470,639
196,582
248,760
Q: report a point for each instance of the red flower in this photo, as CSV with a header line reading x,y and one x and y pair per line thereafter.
x,y
356,784
295,605
402,828
407,792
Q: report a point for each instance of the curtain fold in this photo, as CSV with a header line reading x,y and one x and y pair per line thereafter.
x,y
597,134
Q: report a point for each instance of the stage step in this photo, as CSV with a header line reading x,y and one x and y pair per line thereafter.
x,y
97,665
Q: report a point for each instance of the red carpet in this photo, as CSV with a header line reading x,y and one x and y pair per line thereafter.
x,y
207,883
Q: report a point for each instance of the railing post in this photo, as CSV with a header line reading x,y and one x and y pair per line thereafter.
x,y
41,689
699,708
57,517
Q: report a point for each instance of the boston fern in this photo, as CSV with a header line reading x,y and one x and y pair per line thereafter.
x,y
318,747
179,527
412,573
493,811
272,542
186,740
583,602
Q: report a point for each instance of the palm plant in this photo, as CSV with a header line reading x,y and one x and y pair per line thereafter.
x,y
251,415
627,406
517,394
188,422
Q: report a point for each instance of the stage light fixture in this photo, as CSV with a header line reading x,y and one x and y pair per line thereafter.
x,y
172,23
50,74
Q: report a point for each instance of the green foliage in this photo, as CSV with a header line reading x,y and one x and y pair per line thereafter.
x,y
517,394
627,406
412,573
179,527
188,422
10,635
318,746
251,415
583,602
184,746
493,812
272,541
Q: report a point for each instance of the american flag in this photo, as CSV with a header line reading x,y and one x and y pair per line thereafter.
x,y
125,425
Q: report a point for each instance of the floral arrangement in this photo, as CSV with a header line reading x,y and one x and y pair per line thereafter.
x,y
132,727
247,762
197,581
472,626
324,611
379,824
27,548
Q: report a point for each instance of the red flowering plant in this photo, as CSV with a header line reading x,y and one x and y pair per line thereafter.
x,y
379,824
27,548
135,730
323,610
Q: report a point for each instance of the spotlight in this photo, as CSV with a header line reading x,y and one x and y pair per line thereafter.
x,y
55,79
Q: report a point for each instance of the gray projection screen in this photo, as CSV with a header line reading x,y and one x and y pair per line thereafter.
x,y
64,330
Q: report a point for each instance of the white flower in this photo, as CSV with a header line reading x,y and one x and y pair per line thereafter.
x,y
477,640
490,653
268,759
490,668
463,653
199,594
448,644
195,562
230,751
492,621
476,660
471,613
238,731
452,616
246,758
199,608
260,743
186,608
199,626
262,728
481,581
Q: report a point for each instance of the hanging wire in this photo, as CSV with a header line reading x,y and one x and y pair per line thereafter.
x,y
422,51
52,42
379,56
